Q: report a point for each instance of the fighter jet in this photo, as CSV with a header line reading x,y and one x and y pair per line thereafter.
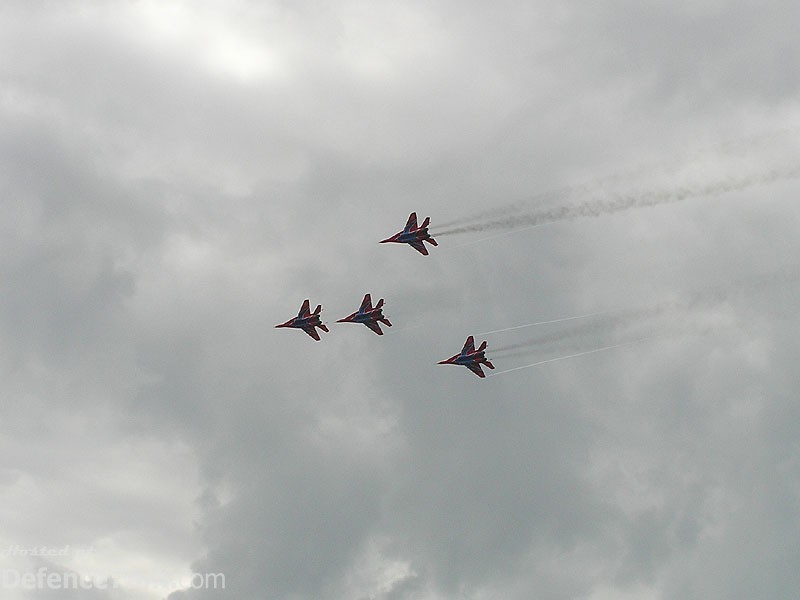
x,y
307,321
413,235
369,315
470,358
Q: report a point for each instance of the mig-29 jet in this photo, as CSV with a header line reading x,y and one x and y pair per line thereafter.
x,y
307,321
470,357
413,235
370,316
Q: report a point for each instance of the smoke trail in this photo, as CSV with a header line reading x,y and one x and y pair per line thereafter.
x,y
619,203
489,213
545,322
537,350
613,319
549,360
684,329
496,235
518,206
736,148
786,277
571,347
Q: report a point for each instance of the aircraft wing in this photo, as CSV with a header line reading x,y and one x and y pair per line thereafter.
x,y
412,222
374,326
305,310
309,329
476,368
469,346
419,247
366,304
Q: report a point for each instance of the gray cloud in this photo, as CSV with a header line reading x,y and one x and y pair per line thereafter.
x,y
177,179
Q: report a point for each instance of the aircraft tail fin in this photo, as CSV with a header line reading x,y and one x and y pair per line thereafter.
x,y
379,304
482,347
425,223
318,309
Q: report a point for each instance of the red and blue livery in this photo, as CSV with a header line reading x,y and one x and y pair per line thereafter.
x,y
470,357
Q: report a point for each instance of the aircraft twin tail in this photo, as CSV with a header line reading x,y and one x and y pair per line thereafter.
x,y
470,357
413,235
371,316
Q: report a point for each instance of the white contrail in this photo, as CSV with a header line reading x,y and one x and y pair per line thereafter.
x,y
494,211
549,360
604,321
623,202
504,233
786,278
670,166
560,320
394,330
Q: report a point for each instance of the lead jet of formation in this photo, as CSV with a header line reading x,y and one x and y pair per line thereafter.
x,y
307,321
413,235
470,357
370,316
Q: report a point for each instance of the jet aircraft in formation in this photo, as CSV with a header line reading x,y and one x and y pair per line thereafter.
x,y
470,357
370,316
307,321
413,235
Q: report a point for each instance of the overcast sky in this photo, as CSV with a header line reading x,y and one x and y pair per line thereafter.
x,y
177,177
